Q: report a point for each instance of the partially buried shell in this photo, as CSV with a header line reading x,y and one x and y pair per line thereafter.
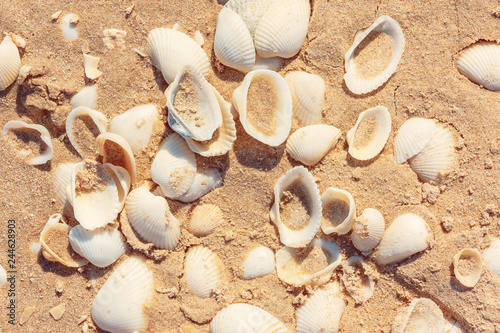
x,y
97,120
357,279
339,211
258,262
10,62
412,137
205,219
117,151
86,97
421,316
491,256
480,63
122,180
467,267
311,143
308,95
204,182
61,180
368,230
90,63
204,271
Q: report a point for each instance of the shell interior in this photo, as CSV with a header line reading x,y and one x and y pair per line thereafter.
x,y
357,280
82,138
117,151
339,211
467,267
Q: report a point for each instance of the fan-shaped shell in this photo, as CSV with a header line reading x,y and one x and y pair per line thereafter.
x,y
117,151
97,118
491,256
122,180
258,262
86,97
339,211
421,316
412,137
310,144
357,280
308,95
204,271
480,63
368,230
205,219
61,180
468,266
10,62
204,182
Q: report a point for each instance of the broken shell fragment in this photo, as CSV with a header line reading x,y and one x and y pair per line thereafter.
x,y
491,256
357,280
86,97
258,262
122,180
10,62
98,122
113,37
421,316
467,267
310,144
68,26
412,137
205,219
339,211
368,230
204,182
116,150
308,95
90,64
480,63
204,271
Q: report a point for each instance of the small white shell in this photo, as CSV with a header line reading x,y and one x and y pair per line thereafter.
x,y
205,219
337,217
68,28
90,64
122,180
368,230
359,85
412,137
421,316
491,256
116,150
472,274
310,144
406,235
308,95
204,271
480,63
258,262
119,305
10,62
97,117
86,97
314,266
62,179
204,182
299,230
356,279
370,141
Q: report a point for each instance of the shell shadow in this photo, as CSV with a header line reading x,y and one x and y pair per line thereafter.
x,y
160,81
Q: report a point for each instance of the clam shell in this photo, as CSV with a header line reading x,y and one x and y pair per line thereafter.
x,y
491,256
368,230
421,316
337,218
308,95
61,180
122,180
412,137
299,230
204,182
472,275
86,97
97,117
119,305
117,151
310,144
372,139
480,63
205,219
258,262
204,271
358,85
10,62
406,235
357,280
90,64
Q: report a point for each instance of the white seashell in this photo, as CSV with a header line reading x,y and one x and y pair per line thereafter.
x,y
119,305
101,247
322,311
491,256
68,26
62,179
353,81
310,144
10,62
357,280
406,235
116,150
170,50
299,217
412,137
368,230
480,63
122,180
174,166
250,11
258,262
314,266
339,211
368,137
470,274
193,109
273,64
90,64
308,95
3,275
135,125
86,97
204,182
205,219
241,317
198,37
47,153
151,218
421,316
204,271
273,127
97,118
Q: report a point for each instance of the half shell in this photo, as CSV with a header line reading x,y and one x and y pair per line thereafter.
x,y
86,97
117,151
480,63
308,95
357,280
98,120
10,62
412,137
368,230
339,211
421,316
62,179
204,182
467,267
491,256
258,262
205,219
310,144
204,271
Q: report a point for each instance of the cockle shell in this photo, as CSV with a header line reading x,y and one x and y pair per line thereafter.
x,y
412,137
116,150
119,305
357,280
10,62
337,217
86,97
358,85
97,118
204,271
471,275
491,256
368,230
310,144
308,95
296,229
368,137
61,180
205,219
480,63
90,64
421,316
122,180
258,262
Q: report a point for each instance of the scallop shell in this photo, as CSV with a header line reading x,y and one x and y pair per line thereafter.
x,y
119,305
294,265
117,151
204,182
406,235
90,64
170,50
10,63
357,280
97,117
62,179
135,125
368,230
469,280
358,85
376,138
205,219
122,180
491,256
47,153
278,132
101,247
334,199
308,95
421,316
310,144
480,63
86,97
412,137
300,235
151,218
204,271
241,317
258,262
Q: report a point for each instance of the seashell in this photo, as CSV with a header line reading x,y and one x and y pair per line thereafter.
x,y
368,230
86,97
250,11
258,262
170,50
204,271
452,326
193,109
10,63
205,219
102,246
151,218
273,64
266,89
357,280
122,180
98,121
68,26
491,256
241,317
62,179
313,265
406,235
55,244
339,211
117,151
3,275
412,137
353,81
297,207
480,63
204,182
468,266
119,305
90,64
47,152
174,166
135,125
368,137
321,311
310,144
421,316
308,95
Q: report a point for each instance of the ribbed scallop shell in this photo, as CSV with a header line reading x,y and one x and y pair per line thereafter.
x,y
241,317
421,316
61,180
480,63
491,256
150,216
377,139
204,182
356,279
10,62
310,144
368,230
205,219
331,197
204,271
294,237
122,180
124,157
412,137
469,280
258,262
359,85
406,235
119,305
86,97
97,117
308,95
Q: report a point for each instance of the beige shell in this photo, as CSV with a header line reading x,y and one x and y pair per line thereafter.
x,y
357,279
97,118
308,95
412,137
204,182
368,230
122,180
117,151
421,316
311,143
10,62
339,211
61,180
204,271
205,219
86,97
491,256
480,63
471,275
90,64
